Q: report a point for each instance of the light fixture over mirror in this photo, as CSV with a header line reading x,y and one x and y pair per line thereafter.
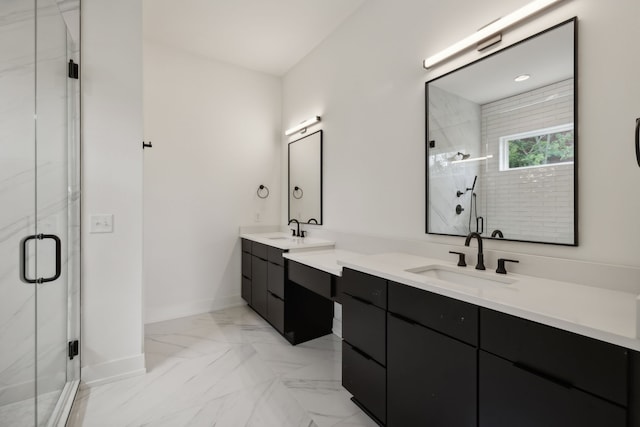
x,y
501,156
302,127
489,31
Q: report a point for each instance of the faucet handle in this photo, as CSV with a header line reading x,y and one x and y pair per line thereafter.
x,y
293,232
303,233
501,261
461,259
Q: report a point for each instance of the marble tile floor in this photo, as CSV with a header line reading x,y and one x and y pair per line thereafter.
x,y
226,368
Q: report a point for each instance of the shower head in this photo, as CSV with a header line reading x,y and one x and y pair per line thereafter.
x,y
459,156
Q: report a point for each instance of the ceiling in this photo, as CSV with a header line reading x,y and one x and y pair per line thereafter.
x,y
548,58
270,36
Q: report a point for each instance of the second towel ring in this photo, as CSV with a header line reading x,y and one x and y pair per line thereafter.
x,y
297,190
261,191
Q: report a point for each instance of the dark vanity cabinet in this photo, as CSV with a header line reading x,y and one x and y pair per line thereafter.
x,y
431,359
415,358
532,375
263,281
364,347
294,298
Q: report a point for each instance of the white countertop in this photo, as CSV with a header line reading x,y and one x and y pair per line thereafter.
x,y
604,314
287,242
325,260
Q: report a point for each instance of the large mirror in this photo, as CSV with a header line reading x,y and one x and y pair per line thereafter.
x,y
305,179
502,143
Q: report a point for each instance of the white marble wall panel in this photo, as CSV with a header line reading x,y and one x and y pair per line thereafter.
x,y
454,126
17,193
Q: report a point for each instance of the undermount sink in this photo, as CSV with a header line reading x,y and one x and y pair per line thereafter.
x,y
470,278
280,238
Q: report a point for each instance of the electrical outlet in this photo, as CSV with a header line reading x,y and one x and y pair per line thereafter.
x,y
102,223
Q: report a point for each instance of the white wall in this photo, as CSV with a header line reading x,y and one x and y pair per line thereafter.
x,y
215,130
367,82
112,333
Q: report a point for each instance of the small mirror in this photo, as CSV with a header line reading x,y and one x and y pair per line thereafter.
x,y
305,179
502,143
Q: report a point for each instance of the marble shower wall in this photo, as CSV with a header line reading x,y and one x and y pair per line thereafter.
x,y
454,126
55,189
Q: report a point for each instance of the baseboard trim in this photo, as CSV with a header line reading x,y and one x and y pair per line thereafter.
x,y
114,370
160,314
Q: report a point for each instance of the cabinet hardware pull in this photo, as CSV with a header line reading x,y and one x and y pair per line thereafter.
x,y
536,372
361,353
364,301
638,140
405,319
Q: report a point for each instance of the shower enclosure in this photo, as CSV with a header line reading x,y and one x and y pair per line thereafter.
x,y
40,210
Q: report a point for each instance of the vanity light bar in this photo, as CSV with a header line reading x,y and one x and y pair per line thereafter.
x,y
303,125
490,156
488,31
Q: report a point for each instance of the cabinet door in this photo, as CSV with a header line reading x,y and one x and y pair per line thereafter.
x,y
246,265
246,290
511,395
275,312
275,279
364,326
431,378
366,380
259,285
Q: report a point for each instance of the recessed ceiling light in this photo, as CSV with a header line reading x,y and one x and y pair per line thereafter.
x,y
522,77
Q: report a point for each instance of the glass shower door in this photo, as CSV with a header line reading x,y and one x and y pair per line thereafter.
x,y
39,195
57,210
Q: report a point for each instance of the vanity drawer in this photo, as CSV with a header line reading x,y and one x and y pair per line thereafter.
x,y
274,255
512,396
365,286
246,289
457,319
246,245
366,380
364,326
259,285
585,363
259,250
246,265
275,312
275,280
311,278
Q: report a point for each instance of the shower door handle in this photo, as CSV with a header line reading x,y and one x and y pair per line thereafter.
x,y
23,258
638,140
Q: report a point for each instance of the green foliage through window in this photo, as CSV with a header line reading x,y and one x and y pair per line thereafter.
x,y
539,149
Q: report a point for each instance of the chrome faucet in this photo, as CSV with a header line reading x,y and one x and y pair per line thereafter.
x,y
480,264
295,233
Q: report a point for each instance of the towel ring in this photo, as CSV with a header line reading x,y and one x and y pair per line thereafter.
x,y
297,190
261,191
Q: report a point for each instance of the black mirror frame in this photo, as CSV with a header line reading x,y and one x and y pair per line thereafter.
x,y
318,221
573,20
